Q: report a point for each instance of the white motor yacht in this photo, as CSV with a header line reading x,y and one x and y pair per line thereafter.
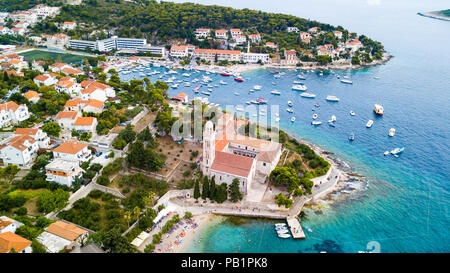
x,y
369,123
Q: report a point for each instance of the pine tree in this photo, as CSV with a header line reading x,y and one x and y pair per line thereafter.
x,y
212,188
205,188
196,189
235,193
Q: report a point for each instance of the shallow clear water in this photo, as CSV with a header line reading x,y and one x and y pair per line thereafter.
x,y
405,206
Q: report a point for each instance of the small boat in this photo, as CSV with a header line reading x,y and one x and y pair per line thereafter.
x,y
275,92
290,103
392,132
332,98
386,153
284,236
262,100
351,137
378,109
317,105
186,75
315,116
316,122
222,82
301,77
257,87
281,228
175,86
376,78
274,83
292,119
236,93
254,102
284,231
238,79
352,113
307,95
331,124
277,119
248,102
299,87
187,84
346,81
290,110
333,118
369,123
239,109
225,74
397,151
206,93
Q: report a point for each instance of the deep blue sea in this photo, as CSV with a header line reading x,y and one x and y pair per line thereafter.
x,y
405,206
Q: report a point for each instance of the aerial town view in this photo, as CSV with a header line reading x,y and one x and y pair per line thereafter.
x,y
146,126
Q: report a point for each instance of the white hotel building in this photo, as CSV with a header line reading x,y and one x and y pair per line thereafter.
x,y
115,42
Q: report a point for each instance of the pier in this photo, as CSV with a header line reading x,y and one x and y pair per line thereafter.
x,y
295,227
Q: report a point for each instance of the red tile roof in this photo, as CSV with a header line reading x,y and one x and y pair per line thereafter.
x,y
233,164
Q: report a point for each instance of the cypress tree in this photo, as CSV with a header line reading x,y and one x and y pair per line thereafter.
x,y
196,189
212,188
235,193
205,188
221,193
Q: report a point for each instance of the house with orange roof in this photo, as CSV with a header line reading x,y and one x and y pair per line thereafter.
x,y
45,79
179,51
93,106
74,105
18,150
73,151
313,30
57,67
181,97
17,31
201,33
66,119
68,86
255,38
240,39
235,32
32,96
338,34
68,25
96,90
9,225
18,64
10,241
62,235
85,124
305,35
221,34
72,71
271,45
290,56
37,134
11,113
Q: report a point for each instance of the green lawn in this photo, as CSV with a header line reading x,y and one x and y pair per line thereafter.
x,y
39,55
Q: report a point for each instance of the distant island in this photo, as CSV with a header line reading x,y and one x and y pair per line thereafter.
x,y
440,14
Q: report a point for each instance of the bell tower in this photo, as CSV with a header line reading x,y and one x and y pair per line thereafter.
x,y
209,147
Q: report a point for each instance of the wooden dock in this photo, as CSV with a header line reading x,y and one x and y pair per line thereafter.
x,y
296,228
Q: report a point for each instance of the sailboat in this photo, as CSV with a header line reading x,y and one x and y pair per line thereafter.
x,y
351,137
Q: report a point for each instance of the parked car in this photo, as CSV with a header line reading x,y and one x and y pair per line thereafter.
x,y
99,154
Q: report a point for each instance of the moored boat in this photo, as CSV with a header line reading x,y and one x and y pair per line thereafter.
x,y
307,95
369,123
299,87
332,98
351,137
378,109
275,92
238,79
392,132
316,122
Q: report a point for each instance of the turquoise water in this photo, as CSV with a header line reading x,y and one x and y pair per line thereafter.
x,y
405,205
